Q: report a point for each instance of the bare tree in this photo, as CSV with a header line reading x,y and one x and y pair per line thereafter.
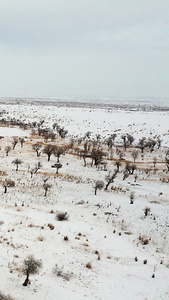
x,y
32,171
30,266
14,142
52,136
158,143
151,144
167,160
62,132
110,179
37,148
109,142
130,139
8,183
38,165
84,154
17,162
133,167
134,154
55,125
21,141
135,177
125,174
98,186
49,150
58,151
125,142
96,156
36,168
87,135
118,165
98,137
7,150
121,154
154,161
57,166
46,187
142,144
128,167
147,211
132,197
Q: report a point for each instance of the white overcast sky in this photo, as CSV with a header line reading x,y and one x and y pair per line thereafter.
x,y
84,47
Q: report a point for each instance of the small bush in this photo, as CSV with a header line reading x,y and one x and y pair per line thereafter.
x,y
88,265
62,216
132,197
147,211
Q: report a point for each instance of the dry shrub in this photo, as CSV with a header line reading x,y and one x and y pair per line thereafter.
x,y
3,173
128,232
88,265
31,225
147,211
40,238
144,239
80,202
62,216
51,226
60,273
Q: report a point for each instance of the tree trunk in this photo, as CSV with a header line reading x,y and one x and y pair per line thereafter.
x,y
27,281
95,191
5,189
84,159
49,155
16,168
106,187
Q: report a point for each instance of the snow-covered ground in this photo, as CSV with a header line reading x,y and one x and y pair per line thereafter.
x,y
7,131
78,120
126,252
